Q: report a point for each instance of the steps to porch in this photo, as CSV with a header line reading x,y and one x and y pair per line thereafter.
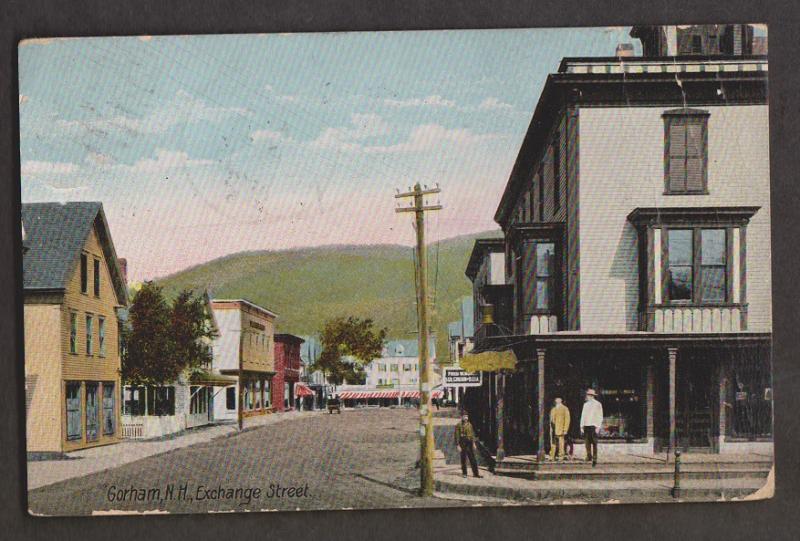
x,y
618,476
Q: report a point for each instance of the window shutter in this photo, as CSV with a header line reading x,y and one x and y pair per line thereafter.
x,y
695,172
677,155
528,275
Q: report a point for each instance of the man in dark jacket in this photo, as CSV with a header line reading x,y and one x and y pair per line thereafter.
x,y
465,438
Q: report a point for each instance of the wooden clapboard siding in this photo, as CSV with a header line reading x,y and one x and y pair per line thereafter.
x,y
43,359
258,354
622,168
81,366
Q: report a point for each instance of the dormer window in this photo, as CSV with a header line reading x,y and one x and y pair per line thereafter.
x,y
685,152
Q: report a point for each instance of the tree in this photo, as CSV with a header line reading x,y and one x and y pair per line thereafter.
x,y
164,340
191,332
149,353
348,344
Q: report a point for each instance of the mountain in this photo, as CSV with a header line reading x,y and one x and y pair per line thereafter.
x,y
307,286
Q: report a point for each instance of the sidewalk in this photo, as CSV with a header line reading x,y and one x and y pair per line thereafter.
x,y
88,461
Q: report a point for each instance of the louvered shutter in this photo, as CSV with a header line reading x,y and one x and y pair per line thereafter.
x,y
695,170
677,155
528,276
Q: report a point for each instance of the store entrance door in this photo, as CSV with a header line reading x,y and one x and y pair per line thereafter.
x,y
694,420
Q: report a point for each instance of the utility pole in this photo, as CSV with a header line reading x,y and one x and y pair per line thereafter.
x,y
426,367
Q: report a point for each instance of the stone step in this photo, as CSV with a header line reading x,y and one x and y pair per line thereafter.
x,y
580,464
617,474
596,491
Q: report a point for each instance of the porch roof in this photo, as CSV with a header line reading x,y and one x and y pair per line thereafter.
x,y
525,346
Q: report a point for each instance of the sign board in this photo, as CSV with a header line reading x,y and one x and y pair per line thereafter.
x,y
456,377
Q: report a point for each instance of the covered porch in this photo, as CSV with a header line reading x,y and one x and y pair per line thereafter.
x,y
706,393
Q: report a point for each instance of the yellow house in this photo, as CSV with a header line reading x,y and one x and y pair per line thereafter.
x,y
73,290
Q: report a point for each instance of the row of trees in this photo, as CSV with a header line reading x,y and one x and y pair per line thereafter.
x,y
164,339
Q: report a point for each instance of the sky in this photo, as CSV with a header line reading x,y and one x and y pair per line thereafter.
x,y
204,146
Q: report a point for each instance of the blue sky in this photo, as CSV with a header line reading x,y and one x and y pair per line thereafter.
x,y
202,146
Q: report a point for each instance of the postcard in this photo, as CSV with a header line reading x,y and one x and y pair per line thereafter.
x,y
337,271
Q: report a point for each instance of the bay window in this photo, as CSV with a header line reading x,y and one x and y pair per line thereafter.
x,y
692,268
697,266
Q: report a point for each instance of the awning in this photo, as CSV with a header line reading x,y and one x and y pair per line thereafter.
x,y
302,390
355,395
216,380
489,361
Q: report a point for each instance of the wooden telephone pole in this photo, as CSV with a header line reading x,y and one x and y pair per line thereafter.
x,y
426,369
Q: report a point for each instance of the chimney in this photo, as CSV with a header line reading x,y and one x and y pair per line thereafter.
x,y
624,49
123,267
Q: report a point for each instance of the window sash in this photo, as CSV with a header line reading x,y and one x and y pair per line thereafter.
x,y
89,335
73,332
84,273
109,419
74,411
96,277
101,335
92,412
686,152
538,278
707,280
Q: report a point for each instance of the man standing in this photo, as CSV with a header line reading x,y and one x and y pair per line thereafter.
x,y
465,438
591,421
559,423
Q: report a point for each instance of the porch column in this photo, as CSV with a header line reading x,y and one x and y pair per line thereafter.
x,y
501,398
723,409
673,358
651,394
540,355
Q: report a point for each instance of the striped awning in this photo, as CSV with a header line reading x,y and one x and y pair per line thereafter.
x,y
355,395
302,390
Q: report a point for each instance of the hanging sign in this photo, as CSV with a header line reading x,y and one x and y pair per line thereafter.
x,y
456,377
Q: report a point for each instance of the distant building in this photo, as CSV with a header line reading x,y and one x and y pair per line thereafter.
x,y
287,371
245,349
314,380
461,336
392,378
73,292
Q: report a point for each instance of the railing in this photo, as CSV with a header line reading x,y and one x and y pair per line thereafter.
x,y
695,319
133,430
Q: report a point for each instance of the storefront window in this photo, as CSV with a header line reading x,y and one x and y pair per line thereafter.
x,y
258,394
109,419
749,400
92,412
74,411
620,388
133,401
161,401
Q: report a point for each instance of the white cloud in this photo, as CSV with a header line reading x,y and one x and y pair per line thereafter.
x,y
33,167
182,109
167,160
430,136
431,101
364,125
491,103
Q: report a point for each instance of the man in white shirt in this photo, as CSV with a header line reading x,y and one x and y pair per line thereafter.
x,y
591,421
